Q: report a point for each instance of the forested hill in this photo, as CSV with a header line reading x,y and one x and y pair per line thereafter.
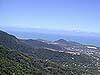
x,y
19,58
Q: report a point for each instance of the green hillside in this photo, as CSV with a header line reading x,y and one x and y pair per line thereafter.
x,y
14,62
18,58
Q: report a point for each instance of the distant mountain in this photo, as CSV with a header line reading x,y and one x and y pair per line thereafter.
x,y
58,45
67,43
41,44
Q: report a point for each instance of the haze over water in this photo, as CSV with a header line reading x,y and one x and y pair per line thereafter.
x,y
77,20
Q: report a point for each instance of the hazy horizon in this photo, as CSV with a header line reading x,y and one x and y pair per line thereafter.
x,y
68,15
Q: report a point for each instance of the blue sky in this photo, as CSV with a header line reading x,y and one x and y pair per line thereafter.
x,y
67,15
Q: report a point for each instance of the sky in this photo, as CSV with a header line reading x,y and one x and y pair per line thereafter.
x,y
67,15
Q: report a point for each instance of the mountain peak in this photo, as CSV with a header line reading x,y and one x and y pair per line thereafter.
x,y
61,41
64,42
